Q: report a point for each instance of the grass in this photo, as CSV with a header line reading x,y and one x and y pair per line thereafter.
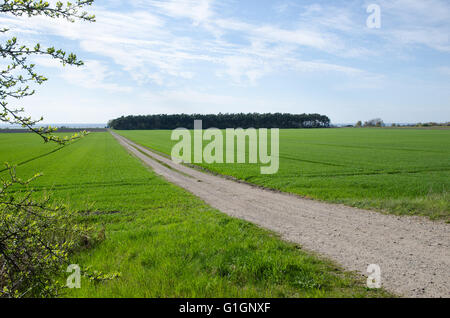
x,y
164,241
399,171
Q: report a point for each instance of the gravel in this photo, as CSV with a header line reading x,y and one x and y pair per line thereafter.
x,y
412,252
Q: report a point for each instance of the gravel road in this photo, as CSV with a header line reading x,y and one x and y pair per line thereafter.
x,y
412,252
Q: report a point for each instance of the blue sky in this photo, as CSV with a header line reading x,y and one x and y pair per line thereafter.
x,y
210,56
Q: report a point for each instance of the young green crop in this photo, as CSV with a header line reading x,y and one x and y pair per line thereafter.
x,y
162,240
400,171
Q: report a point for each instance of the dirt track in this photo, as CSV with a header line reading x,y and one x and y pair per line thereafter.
x,y
413,253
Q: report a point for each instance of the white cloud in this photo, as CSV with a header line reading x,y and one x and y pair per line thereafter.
x,y
92,75
273,34
430,37
152,42
197,101
144,43
417,22
196,10
244,69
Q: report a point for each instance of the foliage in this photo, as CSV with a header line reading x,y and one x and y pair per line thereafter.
x,y
18,75
221,121
35,237
431,124
98,276
35,240
377,122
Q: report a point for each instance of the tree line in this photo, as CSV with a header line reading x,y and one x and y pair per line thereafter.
x,y
377,122
221,121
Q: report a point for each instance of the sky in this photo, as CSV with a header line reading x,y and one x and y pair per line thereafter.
x,y
210,56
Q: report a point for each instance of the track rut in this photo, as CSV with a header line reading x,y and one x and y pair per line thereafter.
x,y
412,252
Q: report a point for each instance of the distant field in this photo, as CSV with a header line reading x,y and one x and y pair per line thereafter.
x,y
401,171
164,241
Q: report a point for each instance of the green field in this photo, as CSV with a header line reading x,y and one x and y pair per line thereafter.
x,y
164,241
401,171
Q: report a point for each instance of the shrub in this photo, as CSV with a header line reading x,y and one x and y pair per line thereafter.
x,y
36,238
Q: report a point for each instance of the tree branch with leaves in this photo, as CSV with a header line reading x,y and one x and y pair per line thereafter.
x,y
16,78
35,236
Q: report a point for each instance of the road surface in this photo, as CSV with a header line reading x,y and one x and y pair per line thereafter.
x,y
412,252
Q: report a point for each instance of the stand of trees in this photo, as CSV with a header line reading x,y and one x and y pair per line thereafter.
x,y
377,122
221,121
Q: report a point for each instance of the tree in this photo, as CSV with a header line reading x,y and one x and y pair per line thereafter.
x,y
377,122
358,124
221,121
16,78
35,236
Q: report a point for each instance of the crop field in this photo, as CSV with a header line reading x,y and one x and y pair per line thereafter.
x,y
400,171
161,239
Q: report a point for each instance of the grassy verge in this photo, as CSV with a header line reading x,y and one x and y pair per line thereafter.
x,y
164,241
398,171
